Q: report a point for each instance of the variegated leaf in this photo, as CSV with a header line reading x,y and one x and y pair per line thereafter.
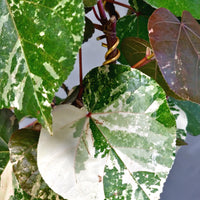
x,y
8,124
122,148
23,156
39,41
190,112
6,187
181,122
10,189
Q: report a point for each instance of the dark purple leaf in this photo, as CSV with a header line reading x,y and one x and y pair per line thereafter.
x,y
177,49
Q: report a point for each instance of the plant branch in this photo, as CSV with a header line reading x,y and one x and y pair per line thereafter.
x,y
123,5
78,99
101,37
110,32
80,68
108,27
95,13
144,61
102,13
98,27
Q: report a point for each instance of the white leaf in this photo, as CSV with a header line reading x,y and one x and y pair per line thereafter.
x,y
6,188
57,153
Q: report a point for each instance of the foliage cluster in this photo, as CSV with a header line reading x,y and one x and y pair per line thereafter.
x,y
115,135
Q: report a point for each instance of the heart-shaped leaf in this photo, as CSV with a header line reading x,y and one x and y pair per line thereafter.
x,y
178,6
23,156
39,42
8,124
134,50
176,46
131,26
122,148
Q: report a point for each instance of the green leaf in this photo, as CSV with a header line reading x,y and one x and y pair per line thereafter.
x,y
23,156
192,113
122,148
134,50
39,42
131,26
89,29
178,6
58,100
180,142
89,3
8,124
142,7
176,48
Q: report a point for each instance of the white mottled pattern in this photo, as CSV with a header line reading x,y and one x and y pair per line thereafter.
x,y
19,95
42,33
77,38
62,58
12,79
154,106
181,121
51,70
62,4
3,20
38,81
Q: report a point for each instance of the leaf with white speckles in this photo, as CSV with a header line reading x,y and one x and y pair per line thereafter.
x,y
23,156
181,122
190,112
122,148
39,41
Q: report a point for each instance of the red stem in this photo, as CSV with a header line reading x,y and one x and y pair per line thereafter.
x,y
89,114
140,63
80,68
111,36
144,61
95,13
98,27
102,12
79,97
123,5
